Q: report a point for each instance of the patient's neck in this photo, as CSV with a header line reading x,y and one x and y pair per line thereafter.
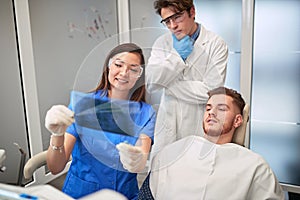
x,y
221,139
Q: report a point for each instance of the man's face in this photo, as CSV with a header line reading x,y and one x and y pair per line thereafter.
x,y
220,115
179,23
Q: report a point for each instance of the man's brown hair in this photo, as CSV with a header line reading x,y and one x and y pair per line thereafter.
x,y
237,97
176,5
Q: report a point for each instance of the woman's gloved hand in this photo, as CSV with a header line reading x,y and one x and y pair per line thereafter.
x,y
132,157
184,46
58,118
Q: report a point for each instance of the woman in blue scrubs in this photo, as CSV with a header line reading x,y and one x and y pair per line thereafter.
x,y
107,154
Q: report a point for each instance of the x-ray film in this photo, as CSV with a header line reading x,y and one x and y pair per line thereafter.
x,y
113,116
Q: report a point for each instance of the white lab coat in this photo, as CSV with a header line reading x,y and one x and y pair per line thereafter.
x,y
194,168
184,84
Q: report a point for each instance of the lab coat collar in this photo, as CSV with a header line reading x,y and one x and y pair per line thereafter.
x,y
203,37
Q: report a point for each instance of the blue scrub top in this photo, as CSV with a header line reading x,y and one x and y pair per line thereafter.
x,y
95,160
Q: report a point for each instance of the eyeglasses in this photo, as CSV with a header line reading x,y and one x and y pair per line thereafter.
x,y
176,18
134,70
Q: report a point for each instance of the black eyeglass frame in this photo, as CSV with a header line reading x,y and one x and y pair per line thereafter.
x,y
163,21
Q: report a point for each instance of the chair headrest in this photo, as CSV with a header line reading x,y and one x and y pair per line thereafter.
x,y
240,132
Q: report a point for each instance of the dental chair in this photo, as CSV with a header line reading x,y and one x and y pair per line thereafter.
x,y
34,163
240,132
37,161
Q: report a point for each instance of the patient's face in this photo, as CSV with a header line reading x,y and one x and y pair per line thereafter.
x,y
219,115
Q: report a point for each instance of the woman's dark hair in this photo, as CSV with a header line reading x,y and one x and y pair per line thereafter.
x,y
138,92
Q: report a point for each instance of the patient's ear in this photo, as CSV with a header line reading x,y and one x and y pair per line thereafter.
x,y
238,120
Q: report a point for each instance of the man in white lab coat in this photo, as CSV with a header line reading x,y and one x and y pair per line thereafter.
x,y
184,64
211,167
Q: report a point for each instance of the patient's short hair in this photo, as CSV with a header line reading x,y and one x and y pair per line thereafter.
x,y
237,97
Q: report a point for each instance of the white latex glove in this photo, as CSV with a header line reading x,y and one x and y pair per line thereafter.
x,y
58,118
132,157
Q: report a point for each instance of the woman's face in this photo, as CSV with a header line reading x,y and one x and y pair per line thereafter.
x,y
124,70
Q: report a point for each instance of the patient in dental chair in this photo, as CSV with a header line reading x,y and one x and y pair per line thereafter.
x,y
212,167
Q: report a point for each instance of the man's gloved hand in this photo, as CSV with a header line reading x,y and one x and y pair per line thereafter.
x,y
58,118
184,46
132,157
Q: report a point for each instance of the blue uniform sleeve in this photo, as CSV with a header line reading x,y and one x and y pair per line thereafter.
x,y
71,129
148,129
